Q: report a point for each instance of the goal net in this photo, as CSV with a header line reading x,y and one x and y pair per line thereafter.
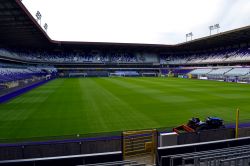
x,y
116,75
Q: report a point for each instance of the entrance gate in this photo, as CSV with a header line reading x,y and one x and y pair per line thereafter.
x,y
138,144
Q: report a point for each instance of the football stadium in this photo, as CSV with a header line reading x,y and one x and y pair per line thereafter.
x,y
78,103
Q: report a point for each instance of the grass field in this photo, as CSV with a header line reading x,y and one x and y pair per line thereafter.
x,y
93,105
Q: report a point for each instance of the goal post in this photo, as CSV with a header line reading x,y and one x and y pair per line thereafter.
x,y
116,75
78,74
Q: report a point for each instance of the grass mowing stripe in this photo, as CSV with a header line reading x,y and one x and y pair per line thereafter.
x,y
93,105
135,115
159,110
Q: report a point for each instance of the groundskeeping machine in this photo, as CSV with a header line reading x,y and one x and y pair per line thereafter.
x,y
195,124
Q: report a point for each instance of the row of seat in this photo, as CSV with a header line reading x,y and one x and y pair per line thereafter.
x,y
233,55
12,74
239,161
211,157
222,71
71,57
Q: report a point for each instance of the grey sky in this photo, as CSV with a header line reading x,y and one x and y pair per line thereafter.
x,y
138,21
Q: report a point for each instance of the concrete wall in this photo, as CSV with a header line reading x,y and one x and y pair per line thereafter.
x,y
62,148
204,136
99,145
244,132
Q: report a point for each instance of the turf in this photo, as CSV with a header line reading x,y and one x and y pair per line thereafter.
x,y
95,105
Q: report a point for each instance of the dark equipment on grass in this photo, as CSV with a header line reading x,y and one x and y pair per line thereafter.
x,y
210,123
195,124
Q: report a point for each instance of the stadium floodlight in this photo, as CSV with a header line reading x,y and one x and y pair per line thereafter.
x,y
186,37
189,35
211,28
38,16
45,27
217,26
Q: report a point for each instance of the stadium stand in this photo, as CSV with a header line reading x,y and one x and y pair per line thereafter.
x,y
11,74
219,71
122,57
2,87
201,71
228,74
181,71
69,57
13,80
28,56
242,160
239,55
206,153
211,156
238,72
224,56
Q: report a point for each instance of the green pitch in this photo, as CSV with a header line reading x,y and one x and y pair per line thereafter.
x,y
95,105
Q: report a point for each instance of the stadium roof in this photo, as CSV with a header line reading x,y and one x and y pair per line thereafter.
x,y
232,37
19,29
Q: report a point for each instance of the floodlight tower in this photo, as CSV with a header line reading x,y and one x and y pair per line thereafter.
x,y
189,35
217,26
45,27
38,16
186,37
211,28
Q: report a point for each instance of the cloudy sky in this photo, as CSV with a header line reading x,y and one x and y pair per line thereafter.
x,y
138,21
